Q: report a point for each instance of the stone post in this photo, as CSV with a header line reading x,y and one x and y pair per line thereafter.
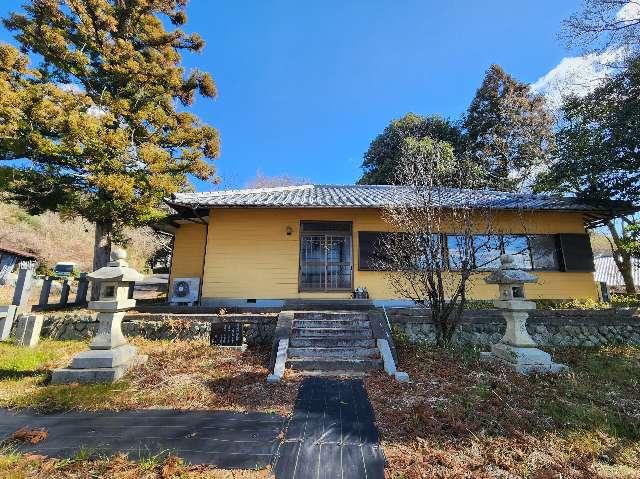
x,y
64,294
83,288
45,291
28,330
23,287
7,316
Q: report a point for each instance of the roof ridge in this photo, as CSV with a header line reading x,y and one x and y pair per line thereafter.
x,y
249,190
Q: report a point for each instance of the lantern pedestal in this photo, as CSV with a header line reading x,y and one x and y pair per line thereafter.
x,y
524,360
109,355
517,349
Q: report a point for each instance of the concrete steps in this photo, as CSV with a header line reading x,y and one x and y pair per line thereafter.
x,y
316,364
332,343
334,353
337,333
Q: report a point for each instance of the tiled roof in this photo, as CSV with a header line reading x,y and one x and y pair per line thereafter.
x,y
368,196
607,271
16,252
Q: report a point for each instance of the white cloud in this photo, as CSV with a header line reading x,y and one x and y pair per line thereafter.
x,y
71,87
630,12
580,75
576,76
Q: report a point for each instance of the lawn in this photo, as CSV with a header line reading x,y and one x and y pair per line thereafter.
x,y
460,417
178,374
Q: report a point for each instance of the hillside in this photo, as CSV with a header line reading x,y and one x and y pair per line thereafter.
x,y
54,238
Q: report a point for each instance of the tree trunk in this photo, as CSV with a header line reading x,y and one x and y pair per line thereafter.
x,y
625,266
101,250
622,259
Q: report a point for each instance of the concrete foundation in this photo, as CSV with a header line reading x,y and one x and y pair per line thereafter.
x,y
99,365
524,360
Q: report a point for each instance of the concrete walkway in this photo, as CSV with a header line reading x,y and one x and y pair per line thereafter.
x,y
220,438
331,434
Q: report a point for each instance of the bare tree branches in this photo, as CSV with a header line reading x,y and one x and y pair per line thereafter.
x,y
424,265
604,24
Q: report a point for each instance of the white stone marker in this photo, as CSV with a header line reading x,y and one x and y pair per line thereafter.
x,y
516,348
7,315
28,330
110,355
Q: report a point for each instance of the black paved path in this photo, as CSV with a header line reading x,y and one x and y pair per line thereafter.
x,y
331,434
221,438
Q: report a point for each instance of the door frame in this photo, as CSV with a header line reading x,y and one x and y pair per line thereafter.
x,y
325,233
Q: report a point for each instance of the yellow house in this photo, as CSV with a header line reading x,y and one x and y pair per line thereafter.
x,y
265,246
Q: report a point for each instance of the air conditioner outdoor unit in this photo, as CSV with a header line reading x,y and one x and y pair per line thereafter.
x,y
184,290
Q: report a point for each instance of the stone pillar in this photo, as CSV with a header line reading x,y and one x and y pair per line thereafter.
x,y
7,315
23,288
83,288
64,294
45,291
28,330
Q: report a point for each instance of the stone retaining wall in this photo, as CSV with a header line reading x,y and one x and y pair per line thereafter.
x,y
547,327
258,329
482,327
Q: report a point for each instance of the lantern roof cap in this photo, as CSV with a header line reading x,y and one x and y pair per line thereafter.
x,y
508,273
117,269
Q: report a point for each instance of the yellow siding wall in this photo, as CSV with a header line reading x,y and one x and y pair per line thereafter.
x,y
249,254
188,251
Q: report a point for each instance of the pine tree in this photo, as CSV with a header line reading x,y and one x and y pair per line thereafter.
x,y
98,122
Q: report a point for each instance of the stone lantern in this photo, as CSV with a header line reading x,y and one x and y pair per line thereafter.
x,y
516,348
110,355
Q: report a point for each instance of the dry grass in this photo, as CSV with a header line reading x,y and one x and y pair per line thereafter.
x,y
14,466
178,374
44,234
462,418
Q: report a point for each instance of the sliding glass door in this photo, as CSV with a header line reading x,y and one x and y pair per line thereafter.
x,y
326,258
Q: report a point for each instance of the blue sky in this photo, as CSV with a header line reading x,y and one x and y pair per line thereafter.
x,y
305,86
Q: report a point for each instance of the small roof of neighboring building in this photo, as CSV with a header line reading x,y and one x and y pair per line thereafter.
x,y
380,196
16,252
607,271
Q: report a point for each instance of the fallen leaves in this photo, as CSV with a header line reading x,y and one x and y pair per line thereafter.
x,y
29,435
463,418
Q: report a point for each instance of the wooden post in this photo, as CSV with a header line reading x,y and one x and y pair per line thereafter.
x,y
23,287
64,294
45,291
83,288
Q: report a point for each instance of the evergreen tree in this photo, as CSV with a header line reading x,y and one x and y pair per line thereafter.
x,y
98,121
385,152
509,131
598,156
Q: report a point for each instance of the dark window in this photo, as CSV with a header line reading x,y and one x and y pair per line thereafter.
x,y
430,249
460,249
63,268
518,247
576,253
370,250
544,252
487,250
